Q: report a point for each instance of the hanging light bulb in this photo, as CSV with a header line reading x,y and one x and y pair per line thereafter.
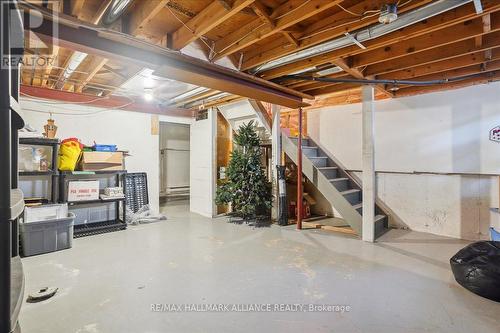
x,y
388,13
148,81
148,95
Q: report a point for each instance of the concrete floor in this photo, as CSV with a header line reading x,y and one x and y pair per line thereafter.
x,y
108,282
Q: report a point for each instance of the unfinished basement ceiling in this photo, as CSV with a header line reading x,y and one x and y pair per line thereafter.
x,y
273,38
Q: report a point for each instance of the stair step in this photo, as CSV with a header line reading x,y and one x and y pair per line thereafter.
x,y
354,190
310,151
358,206
341,183
379,217
353,196
329,172
341,179
319,161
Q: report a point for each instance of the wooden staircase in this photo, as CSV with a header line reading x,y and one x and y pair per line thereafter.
x,y
340,189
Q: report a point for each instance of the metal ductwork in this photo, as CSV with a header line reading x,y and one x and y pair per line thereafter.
x,y
430,10
187,94
115,11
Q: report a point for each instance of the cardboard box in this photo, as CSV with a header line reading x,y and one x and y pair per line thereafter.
x,y
100,160
83,190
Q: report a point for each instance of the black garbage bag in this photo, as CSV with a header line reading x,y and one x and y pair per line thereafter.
x,y
477,268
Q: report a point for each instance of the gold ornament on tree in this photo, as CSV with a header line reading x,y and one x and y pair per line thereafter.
x,y
50,128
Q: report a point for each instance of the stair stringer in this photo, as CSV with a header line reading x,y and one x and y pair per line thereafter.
x,y
391,215
334,197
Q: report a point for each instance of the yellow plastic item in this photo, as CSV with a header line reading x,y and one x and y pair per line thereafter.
x,y
69,153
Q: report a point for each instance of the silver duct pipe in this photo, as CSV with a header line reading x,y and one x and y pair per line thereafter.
x,y
404,20
202,101
187,94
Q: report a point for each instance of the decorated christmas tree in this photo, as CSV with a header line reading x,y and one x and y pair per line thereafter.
x,y
246,187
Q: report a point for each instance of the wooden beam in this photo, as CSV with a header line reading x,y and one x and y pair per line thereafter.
x,y
262,12
97,63
76,7
357,74
95,66
475,58
334,88
308,85
143,13
56,7
296,11
457,15
261,114
290,37
107,102
434,55
197,97
324,30
168,64
439,38
101,11
206,20
457,72
487,77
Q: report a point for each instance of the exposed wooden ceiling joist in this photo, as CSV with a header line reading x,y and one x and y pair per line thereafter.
x,y
443,65
410,91
358,75
121,103
294,12
449,51
213,15
252,32
142,14
449,35
168,64
449,18
336,26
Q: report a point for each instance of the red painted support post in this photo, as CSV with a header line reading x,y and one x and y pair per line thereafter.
x,y
299,174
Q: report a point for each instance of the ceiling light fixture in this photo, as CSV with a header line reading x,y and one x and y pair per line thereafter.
x,y
149,82
148,95
388,13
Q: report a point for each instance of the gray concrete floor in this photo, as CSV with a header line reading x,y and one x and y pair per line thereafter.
x,y
108,282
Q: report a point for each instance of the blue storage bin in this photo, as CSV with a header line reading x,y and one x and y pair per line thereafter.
x,y
495,235
105,147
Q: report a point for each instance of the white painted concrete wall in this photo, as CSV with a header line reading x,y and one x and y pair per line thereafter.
x,y
203,151
446,132
129,130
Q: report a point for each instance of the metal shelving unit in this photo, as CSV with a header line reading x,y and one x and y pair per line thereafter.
x,y
54,144
94,228
11,198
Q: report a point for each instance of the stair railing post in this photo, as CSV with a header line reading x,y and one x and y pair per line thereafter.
x,y
299,173
368,158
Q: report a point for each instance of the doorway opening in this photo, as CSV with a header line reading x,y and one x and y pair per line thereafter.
x,y
174,164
